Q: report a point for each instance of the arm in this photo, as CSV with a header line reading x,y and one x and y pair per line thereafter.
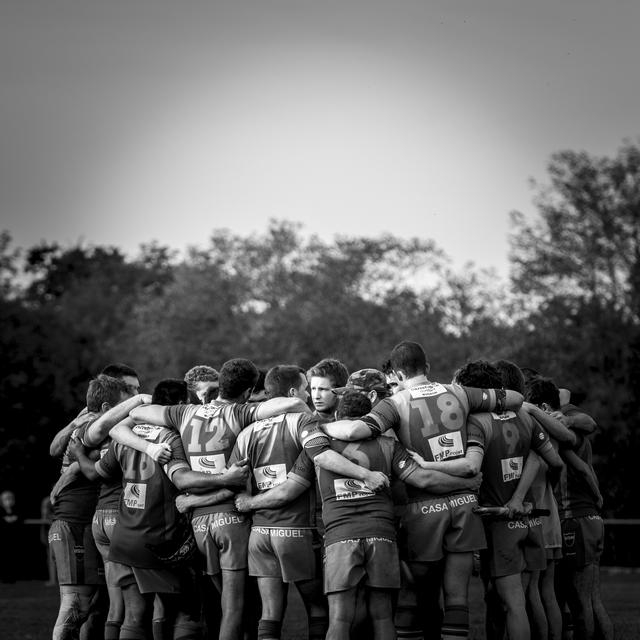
x,y
465,467
333,461
347,430
150,414
581,421
187,501
551,423
188,480
272,498
99,430
442,483
276,406
122,433
513,400
86,465
529,473
65,479
61,439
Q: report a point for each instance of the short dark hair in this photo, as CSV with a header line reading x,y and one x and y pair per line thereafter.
x,y
512,377
119,370
353,404
200,373
409,357
479,373
541,390
281,378
170,391
386,367
529,374
103,389
236,376
332,369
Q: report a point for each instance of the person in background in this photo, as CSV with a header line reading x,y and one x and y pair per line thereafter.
x,y
11,526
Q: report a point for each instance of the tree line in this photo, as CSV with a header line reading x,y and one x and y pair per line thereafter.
x,y
570,309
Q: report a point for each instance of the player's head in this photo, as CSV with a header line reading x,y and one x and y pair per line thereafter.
x,y
125,373
324,376
529,374
391,378
353,404
170,391
370,382
512,377
237,379
202,382
544,393
478,373
259,392
105,392
286,381
408,360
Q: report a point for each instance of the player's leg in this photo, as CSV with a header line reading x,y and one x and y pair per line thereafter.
x,y
579,600
511,593
550,602
604,626
342,609
138,609
457,573
232,603
75,603
427,580
380,602
535,608
272,596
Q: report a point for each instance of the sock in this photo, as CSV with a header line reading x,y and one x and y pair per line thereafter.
x,y
132,633
455,624
318,626
111,630
269,629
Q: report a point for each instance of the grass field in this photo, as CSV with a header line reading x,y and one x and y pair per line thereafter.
x,y
28,609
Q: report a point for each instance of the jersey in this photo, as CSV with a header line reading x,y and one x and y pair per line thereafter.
x,y
506,439
272,447
76,503
430,418
209,433
148,515
574,496
349,508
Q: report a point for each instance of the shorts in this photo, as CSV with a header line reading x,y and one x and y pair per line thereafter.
x,y
442,525
347,562
222,538
281,553
514,546
582,541
104,520
75,554
553,553
148,580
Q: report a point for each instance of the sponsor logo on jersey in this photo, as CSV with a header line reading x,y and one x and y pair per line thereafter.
x,y
110,521
351,489
147,431
434,507
135,495
507,415
427,390
207,411
270,476
214,463
268,423
446,446
511,468
458,501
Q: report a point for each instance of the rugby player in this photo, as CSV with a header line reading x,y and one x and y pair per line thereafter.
x,y
430,419
323,377
280,545
501,442
148,544
209,434
202,382
579,503
78,563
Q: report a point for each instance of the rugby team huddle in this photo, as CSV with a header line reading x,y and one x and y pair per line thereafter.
x,y
377,494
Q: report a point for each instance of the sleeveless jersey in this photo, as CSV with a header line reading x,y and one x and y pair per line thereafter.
x,y
349,508
209,434
506,439
273,447
148,515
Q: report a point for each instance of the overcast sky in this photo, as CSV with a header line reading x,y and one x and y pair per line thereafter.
x,y
123,121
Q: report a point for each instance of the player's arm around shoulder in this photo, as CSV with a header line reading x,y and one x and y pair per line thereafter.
x,y
276,406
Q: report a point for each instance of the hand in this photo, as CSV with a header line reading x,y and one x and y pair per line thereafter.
x,y
183,503
599,501
560,417
376,481
144,398
517,508
418,458
76,448
160,452
236,475
243,502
